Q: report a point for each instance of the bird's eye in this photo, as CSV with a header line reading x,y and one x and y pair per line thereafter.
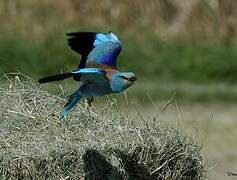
x,y
125,78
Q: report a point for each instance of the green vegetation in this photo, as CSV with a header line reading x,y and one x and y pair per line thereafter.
x,y
199,61
159,42
150,58
195,70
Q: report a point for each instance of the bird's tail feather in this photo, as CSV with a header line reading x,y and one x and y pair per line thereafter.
x,y
73,99
57,77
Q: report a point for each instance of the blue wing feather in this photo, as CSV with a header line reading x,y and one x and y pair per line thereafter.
x,y
101,38
73,99
95,83
89,70
105,54
99,48
90,75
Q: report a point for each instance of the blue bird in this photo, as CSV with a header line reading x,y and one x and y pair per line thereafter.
x,y
97,69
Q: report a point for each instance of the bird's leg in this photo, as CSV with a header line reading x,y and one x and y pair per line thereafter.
x,y
88,104
89,101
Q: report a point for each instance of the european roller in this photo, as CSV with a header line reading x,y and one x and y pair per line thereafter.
x,y
97,70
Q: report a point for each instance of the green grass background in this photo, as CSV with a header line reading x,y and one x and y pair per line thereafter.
x,y
197,70
150,58
204,50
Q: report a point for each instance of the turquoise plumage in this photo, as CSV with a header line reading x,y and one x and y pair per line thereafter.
x,y
97,69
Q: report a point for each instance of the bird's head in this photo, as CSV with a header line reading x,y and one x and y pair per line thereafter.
x,y
122,80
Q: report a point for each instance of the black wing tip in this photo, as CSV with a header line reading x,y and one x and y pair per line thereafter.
x,y
73,34
82,33
81,42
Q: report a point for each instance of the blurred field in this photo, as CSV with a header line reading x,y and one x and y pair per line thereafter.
x,y
166,40
184,47
212,124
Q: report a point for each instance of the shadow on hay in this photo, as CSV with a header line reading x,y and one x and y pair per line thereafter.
x,y
98,166
115,164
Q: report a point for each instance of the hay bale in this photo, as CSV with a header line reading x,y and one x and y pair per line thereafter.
x,y
34,144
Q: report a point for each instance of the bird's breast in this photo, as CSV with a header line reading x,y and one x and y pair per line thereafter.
x,y
109,73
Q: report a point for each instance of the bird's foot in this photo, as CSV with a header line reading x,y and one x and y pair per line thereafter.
x,y
89,101
88,107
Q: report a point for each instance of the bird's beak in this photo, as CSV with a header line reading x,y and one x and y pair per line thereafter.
x,y
132,79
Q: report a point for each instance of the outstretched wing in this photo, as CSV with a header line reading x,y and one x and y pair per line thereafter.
x,y
84,75
90,75
95,81
97,49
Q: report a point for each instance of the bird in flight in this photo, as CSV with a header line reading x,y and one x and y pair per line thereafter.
x,y
97,70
